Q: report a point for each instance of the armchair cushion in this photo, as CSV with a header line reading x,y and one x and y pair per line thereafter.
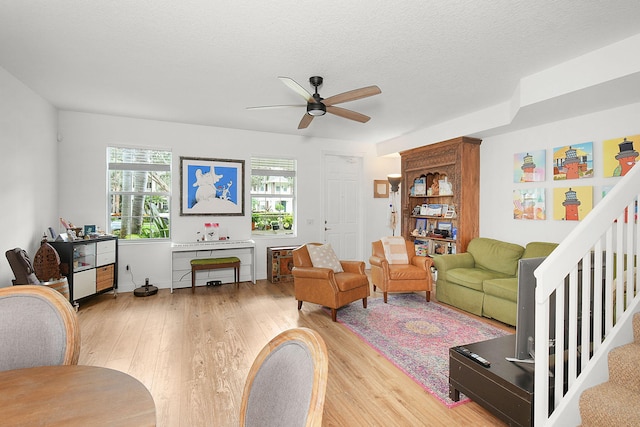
x,y
406,272
323,256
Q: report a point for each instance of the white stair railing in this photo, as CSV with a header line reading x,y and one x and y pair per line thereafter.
x,y
592,275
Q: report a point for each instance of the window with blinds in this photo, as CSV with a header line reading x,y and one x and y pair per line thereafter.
x,y
273,182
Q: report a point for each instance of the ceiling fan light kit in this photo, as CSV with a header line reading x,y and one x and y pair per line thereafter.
x,y
318,106
316,109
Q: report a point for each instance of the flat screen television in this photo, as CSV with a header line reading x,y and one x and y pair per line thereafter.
x,y
525,316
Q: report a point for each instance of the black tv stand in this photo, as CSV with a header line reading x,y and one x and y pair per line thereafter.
x,y
504,389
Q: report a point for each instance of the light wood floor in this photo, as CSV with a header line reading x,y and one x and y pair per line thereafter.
x,y
193,353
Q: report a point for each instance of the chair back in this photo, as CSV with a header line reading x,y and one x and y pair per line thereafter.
x,y
22,267
38,327
377,249
287,382
301,257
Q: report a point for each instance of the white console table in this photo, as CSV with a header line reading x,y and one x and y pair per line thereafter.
x,y
183,253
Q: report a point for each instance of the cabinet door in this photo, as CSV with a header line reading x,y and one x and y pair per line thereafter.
x,y
84,284
84,256
106,253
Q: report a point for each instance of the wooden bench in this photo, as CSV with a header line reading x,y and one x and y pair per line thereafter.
x,y
214,264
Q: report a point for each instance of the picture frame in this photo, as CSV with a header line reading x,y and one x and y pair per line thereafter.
x,y
89,229
211,186
421,225
451,212
420,186
380,188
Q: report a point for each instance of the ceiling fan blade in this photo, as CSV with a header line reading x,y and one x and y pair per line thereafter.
x,y
347,114
297,88
306,120
266,107
352,95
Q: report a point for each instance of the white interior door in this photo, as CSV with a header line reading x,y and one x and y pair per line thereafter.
x,y
343,205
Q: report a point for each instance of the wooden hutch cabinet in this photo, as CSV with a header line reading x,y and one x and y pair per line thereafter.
x,y
440,191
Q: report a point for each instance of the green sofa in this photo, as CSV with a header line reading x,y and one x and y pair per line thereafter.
x,y
484,280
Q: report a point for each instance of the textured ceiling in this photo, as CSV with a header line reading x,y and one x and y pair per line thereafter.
x,y
205,61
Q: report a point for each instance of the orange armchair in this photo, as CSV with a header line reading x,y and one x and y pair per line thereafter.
x,y
325,287
414,276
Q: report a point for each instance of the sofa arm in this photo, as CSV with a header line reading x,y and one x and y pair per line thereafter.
x,y
353,266
449,262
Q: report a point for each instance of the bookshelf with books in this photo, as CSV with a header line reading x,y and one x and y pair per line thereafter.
x,y
440,200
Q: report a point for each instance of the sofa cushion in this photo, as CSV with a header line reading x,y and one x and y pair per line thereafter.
x,y
496,255
502,288
472,277
538,249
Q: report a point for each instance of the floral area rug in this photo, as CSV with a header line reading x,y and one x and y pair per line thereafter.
x,y
415,335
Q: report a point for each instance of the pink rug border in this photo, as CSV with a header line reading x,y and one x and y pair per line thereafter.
x,y
425,388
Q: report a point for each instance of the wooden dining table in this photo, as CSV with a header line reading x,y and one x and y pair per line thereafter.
x,y
74,395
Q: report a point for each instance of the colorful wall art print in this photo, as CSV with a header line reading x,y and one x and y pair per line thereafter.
x,y
572,203
619,155
573,161
211,186
529,166
529,204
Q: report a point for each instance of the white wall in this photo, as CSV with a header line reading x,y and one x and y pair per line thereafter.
x,y
28,168
496,173
35,193
86,136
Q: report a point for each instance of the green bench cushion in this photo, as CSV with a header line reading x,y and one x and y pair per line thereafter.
x,y
207,261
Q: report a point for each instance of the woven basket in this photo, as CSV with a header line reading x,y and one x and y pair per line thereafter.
x,y
60,285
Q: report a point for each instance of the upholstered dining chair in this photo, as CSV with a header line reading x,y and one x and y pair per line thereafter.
x,y
287,382
38,327
326,280
399,269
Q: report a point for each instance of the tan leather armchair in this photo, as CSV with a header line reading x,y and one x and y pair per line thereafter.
x,y
414,276
323,286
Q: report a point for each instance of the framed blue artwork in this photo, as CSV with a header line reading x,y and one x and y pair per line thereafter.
x,y
211,186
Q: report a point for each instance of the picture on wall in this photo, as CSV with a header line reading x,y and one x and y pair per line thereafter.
x,y
380,188
619,155
572,203
573,161
529,166
211,186
529,204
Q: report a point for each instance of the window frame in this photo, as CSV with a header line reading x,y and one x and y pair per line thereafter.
x,y
261,193
161,220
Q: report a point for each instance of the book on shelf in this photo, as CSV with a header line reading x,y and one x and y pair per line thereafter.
x,y
422,247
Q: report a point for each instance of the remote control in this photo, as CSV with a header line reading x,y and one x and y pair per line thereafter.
x,y
466,352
